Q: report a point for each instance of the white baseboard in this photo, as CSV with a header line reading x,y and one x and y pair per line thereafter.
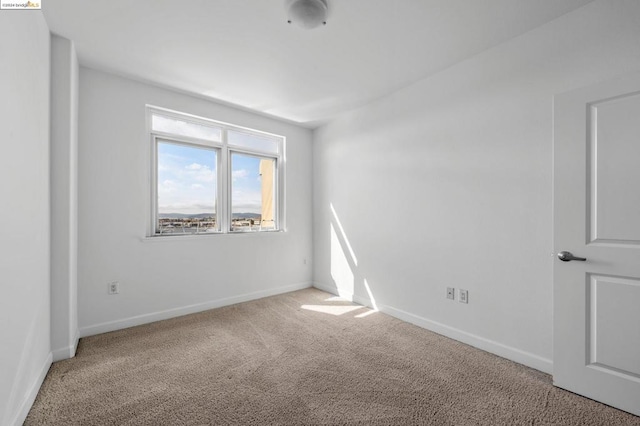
x,y
76,340
106,327
61,353
522,357
332,290
508,352
32,393
348,296
68,351
363,301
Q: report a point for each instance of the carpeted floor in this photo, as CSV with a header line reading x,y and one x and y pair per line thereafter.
x,y
294,359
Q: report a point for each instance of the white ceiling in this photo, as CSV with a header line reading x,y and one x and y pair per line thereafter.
x,y
243,51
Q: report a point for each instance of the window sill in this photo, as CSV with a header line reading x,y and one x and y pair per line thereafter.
x,y
178,237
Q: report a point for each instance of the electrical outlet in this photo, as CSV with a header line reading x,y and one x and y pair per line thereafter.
x,y
113,287
463,296
451,293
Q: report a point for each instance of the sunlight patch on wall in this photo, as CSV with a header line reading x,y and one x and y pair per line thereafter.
x,y
340,270
370,293
343,235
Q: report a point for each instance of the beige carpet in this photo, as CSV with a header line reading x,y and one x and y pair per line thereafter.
x,y
299,358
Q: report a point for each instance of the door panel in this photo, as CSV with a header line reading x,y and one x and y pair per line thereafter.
x,y
613,313
615,149
597,216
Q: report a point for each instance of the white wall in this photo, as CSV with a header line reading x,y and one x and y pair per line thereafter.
x,y
25,354
448,182
64,198
166,277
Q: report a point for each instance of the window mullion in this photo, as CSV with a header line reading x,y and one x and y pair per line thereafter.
x,y
225,195
154,185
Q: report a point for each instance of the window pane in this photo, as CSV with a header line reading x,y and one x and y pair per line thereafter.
x,y
251,141
187,185
252,193
183,128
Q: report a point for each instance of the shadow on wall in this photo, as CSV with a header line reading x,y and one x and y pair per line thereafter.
x,y
344,265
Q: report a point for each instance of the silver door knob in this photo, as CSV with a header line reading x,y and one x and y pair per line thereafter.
x,y
567,256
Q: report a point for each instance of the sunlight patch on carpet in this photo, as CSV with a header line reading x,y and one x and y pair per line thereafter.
x,y
331,309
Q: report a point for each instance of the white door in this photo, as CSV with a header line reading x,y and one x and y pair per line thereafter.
x,y
596,342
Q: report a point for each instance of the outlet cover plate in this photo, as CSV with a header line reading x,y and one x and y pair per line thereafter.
x,y
113,287
451,293
463,296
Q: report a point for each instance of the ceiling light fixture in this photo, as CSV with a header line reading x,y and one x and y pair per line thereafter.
x,y
307,14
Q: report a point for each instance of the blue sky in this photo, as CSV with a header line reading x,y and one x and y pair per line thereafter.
x,y
246,186
187,180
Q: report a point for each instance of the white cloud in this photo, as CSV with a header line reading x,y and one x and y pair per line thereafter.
x,y
200,172
239,174
186,187
167,186
246,201
187,206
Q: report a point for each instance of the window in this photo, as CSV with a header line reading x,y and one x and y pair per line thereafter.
x,y
252,192
211,178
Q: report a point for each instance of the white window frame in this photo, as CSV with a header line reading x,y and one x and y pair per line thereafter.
x,y
223,166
